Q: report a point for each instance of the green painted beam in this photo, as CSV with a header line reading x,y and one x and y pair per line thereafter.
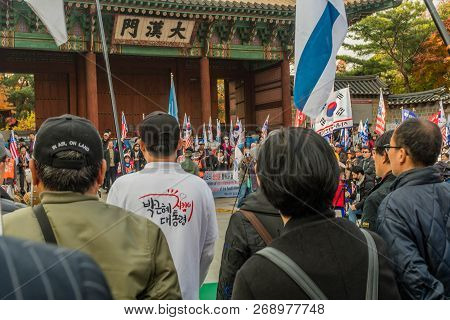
x,y
152,51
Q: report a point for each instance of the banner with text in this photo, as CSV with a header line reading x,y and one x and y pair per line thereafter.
x,y
152,31
222,184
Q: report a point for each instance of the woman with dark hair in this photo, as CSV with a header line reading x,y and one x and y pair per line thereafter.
x,y
138,157
298,173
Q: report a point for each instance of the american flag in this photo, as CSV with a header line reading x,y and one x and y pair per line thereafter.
x,y
124,126
13,147
380,126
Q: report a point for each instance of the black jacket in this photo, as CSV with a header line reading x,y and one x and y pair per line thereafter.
x,y
242,240
414,222
32,271
368,165
363,190
373,201
332,252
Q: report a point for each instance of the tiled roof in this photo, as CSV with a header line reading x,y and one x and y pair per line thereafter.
x,y
363,7
361,85
424,97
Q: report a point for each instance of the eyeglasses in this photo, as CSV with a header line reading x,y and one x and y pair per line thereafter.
x,y
388,146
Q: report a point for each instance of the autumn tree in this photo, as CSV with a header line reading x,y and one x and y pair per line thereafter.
x,y
432,65
19,90
391,40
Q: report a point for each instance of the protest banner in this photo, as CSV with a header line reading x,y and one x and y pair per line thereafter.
x,y
222,184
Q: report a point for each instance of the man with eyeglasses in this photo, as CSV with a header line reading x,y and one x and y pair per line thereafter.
x,y
414,218
383,188
367,164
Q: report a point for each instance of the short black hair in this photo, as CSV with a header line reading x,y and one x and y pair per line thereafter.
x,y
74,180
160,133
421,138
298,171
383,140
357,169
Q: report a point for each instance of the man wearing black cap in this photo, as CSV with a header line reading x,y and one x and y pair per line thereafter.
x,y
68,169
180,203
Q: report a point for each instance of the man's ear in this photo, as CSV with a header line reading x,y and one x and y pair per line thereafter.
x,y
34,177
402,155
142,145
386,158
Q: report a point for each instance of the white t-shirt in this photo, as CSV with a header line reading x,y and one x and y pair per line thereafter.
x,y
182,205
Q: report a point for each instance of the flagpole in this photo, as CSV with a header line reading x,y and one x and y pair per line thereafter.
x,y
111,88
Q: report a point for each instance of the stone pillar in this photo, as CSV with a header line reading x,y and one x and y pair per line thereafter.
x,y
286,92
91,88
205,86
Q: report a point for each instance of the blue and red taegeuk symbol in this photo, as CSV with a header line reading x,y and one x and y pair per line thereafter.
x,y
331,108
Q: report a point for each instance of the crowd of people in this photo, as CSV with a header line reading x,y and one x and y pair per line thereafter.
x,y
370,222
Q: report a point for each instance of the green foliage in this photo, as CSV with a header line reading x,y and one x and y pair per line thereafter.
x,y
387,42
19,89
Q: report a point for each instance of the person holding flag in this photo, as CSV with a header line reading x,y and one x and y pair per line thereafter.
x,y
219,132
205,137
196,144
173,106
408,114
380,126
232,144
13,147
183,129
265,129
124,130
365,134
210,132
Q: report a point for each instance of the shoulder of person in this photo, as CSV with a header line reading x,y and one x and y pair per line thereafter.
x,y
131,217
19,215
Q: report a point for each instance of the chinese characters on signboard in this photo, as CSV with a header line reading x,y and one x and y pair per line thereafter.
x,y
152,31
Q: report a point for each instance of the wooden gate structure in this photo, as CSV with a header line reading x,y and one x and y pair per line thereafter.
x,y
247,43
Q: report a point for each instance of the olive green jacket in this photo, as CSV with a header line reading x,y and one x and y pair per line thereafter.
x,y
131,251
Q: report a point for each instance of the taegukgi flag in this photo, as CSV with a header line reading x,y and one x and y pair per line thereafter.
x,y
337,114
320,30
51,13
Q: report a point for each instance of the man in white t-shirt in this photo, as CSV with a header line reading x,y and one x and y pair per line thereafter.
x,y
181,204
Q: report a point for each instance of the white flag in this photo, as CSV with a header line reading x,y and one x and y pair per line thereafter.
x,y
337,115
51,13
320,29
238,156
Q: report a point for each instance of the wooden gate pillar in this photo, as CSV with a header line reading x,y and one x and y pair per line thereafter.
x,y
91,88
286,92
205,85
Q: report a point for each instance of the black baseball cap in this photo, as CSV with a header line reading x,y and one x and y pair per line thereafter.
x,y
64,133
160,132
